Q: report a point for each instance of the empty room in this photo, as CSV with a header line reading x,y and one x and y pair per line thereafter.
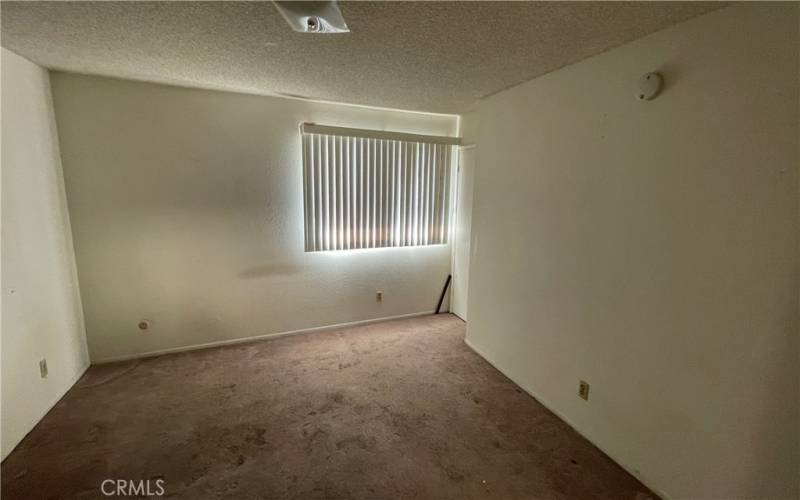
x,y
394,250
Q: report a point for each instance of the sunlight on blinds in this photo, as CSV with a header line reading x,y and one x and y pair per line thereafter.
x,y
367,193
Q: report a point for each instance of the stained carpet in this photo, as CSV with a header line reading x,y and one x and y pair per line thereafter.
x,y
402,409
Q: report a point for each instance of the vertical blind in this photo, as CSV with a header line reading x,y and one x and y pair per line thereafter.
x,y
366,192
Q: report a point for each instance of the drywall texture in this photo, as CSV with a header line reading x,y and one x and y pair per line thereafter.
x,y
651,249
430,56
187,210
41,308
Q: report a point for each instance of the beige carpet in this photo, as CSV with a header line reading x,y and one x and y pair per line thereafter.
x,y
402,409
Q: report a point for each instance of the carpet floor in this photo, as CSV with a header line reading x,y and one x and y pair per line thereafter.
x,y
402,409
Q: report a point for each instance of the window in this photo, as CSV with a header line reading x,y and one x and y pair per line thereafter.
x,y
371,189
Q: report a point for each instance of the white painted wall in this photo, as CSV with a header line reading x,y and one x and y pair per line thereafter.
x,y
41,308
462,231
651,248
187,210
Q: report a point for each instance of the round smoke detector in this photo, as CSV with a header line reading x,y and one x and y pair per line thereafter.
x,y
650,86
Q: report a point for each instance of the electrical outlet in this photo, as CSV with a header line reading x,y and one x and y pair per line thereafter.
x,y
378,296
43,368
583,390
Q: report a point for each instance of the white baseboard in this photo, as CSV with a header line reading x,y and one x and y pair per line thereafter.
x,y
254,338
631,470
50,406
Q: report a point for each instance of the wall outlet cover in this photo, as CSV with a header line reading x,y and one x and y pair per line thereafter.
x,y
583,390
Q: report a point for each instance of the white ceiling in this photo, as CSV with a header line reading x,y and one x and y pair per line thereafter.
x,y
428,56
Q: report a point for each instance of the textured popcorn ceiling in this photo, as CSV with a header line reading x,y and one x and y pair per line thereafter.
x,y
429,56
